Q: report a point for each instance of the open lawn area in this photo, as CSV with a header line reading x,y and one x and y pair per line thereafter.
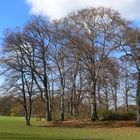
x,y
13,128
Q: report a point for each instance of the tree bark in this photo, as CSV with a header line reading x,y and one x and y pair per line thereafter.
x,y
62,105
93,104
138,100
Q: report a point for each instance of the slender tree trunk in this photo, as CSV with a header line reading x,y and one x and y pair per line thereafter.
x,y
106,98
27,118
71,103
138,100
48,115
93,104
50,100
98,93
115,101
62,106
126,100
73,96
126,91
114,92
30,109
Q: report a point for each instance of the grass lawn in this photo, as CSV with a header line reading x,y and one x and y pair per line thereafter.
x,y
13,128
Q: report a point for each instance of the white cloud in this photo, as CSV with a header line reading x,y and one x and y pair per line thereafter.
x,y
60,8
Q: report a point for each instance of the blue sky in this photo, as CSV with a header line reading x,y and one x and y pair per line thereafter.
x,y
13,13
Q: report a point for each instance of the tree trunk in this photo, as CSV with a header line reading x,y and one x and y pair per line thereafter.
x,y
27,116
28,121
126,100
138,100
71,103
127,88
48,115
93,104
115,100
106,99
62,105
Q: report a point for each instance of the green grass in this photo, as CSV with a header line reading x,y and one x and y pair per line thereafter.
x,y
13,128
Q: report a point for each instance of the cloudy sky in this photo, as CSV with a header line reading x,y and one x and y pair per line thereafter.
x,y
59,8
16,12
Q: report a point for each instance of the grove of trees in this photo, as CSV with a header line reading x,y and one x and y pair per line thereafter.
x,y
89,60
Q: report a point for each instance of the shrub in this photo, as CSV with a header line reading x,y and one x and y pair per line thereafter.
x,y
120,116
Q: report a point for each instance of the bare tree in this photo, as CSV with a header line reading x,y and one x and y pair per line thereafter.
x,y
20,77
131,50
38,34
96,33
